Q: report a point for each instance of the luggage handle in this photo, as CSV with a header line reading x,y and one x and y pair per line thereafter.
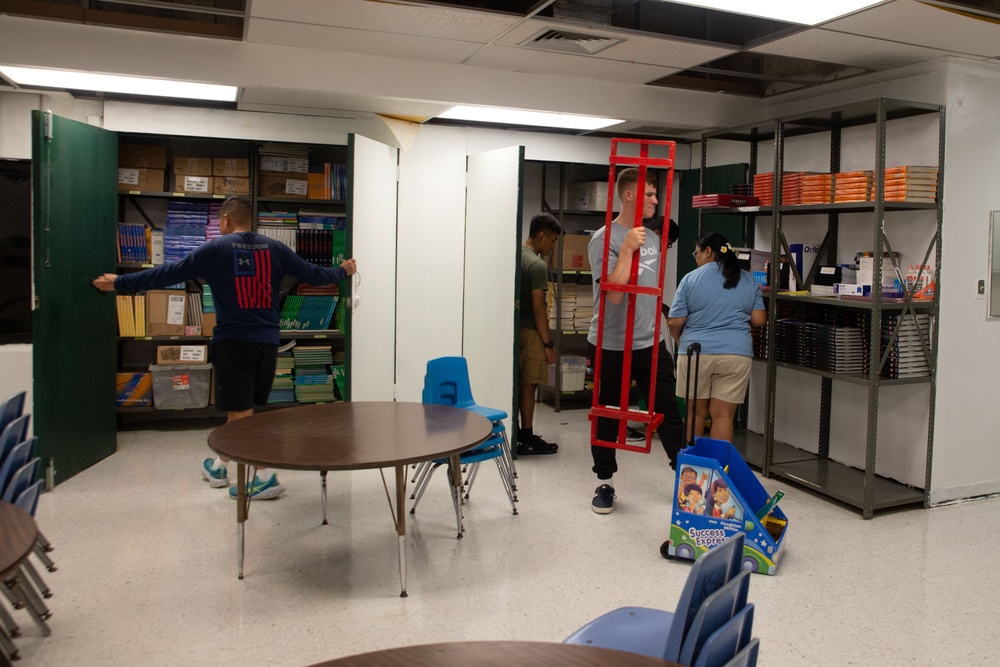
x,y
689,400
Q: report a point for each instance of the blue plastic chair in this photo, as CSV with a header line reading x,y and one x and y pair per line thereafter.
x,y
19,454
20,480
14,432
661,634
747,657
23,488
717,610
446,382
28,498
11,408
723,645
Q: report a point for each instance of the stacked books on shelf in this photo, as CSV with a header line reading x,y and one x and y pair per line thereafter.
x,y
313,380
283,389
763,188
322,238
194,312
824,347
207,299
286,235
133,243
339,372
328,181
185,228
906,354
911,183
576,308
307,313
212,230
851,186
131,315
277,219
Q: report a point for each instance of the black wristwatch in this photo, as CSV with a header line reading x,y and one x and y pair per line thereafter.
x,y
549,345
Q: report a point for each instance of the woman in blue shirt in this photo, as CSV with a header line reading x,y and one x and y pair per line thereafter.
x,y
715,305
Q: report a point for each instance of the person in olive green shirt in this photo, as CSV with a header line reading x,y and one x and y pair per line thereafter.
x,y
537,349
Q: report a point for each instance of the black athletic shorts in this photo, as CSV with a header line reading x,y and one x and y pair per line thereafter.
x,y
244,373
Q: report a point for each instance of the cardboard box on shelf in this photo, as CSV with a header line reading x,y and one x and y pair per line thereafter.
x,y
230,185
193,166
142,156
227,166
181,354
203,185
590,196
138,178
284,186
272,164
165,312
207,324
574,253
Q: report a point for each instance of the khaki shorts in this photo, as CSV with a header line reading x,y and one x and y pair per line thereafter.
x,y
531,361
721,376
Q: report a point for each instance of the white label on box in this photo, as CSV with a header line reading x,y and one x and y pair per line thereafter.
x,y
294,187
196,184
128,176
828,270
193,353
272,163
175,309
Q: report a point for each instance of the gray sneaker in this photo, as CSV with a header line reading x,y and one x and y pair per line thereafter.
x,y
604,499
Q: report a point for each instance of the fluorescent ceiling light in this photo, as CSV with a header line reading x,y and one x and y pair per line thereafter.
x,y
113,83
808,12
522,117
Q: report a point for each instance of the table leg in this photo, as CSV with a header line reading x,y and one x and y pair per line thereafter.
x,y
455,478
241,512
401,525
322,476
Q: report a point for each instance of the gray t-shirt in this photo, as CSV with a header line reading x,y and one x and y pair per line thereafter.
x,y
646,311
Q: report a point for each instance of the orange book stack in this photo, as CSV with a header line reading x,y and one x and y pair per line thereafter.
x,y
816,189
763,188
791,188
911,183
849,186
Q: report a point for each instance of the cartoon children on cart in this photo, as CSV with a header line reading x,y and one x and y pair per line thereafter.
x,y
690,491
719,504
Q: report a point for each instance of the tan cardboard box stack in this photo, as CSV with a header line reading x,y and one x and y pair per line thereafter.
x,y
284,176
141,168
231,176
165,312
193,175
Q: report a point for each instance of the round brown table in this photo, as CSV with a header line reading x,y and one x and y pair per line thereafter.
x,y
497,654
18,533
350,436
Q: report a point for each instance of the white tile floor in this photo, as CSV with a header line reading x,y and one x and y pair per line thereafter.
x,y
147,566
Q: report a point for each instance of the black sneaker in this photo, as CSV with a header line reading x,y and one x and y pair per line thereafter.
x,y
604,499
536,446
633,434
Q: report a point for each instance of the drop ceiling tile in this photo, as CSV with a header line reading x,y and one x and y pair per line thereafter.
x,y
561,64
834,47
346,40
388,17
913,22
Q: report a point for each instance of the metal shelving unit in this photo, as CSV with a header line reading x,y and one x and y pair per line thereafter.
x,y
862,489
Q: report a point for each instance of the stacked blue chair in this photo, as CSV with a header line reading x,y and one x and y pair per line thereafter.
x,y
447,383
710,627
22,489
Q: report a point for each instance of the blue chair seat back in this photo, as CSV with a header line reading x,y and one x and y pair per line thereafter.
x,y
17,457
717,609
446,382
16,431
20,480
747,657
28,498
723,645
10,409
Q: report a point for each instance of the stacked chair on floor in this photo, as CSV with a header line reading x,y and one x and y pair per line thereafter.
x,y
446,382
20,486
711,626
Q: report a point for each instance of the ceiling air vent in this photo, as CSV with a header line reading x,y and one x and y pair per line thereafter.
x,y
564,41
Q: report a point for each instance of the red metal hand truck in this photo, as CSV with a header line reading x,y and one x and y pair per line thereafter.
x,y
632,289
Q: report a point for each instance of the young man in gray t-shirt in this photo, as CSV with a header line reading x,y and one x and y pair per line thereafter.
x,y
625,241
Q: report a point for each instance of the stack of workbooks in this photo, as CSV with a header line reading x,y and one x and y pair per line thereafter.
x,y
131,315
185,229
906,356
133,243
307,313
283,389
313,380
911,183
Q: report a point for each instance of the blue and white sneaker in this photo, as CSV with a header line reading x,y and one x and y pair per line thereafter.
x,y
261,490
216,477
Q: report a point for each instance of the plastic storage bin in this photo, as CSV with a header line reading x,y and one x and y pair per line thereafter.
x,y
176,386
574,371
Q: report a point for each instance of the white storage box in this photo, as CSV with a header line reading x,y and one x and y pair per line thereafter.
x,y
574,372
592,196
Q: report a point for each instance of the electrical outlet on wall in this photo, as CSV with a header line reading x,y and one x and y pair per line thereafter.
x,y
981,289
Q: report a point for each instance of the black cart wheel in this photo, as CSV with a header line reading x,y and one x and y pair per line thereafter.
x,y
665,549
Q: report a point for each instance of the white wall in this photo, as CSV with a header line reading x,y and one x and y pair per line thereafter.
x,y
15,362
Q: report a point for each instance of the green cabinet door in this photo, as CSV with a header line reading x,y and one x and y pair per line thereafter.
x,y
74,177
717,180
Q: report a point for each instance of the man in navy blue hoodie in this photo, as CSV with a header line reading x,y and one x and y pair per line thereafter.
x,y
244,270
